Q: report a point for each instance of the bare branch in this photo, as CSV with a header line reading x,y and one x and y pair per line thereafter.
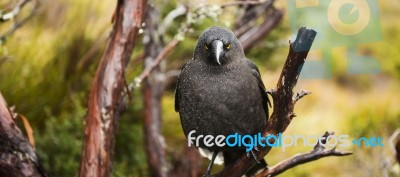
x,y
239,3
254,35
13,13
300,95
318,152
247,20
106,103
18,157
180,10
152,91
167,49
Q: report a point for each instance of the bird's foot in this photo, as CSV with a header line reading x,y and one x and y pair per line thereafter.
x,y
207,174
253,154
270,91
208,171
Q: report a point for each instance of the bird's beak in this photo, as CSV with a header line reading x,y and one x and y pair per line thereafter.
x,y
217,48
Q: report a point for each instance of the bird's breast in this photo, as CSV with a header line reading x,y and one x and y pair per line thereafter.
x,y
221,103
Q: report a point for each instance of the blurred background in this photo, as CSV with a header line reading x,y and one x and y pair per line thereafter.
x,y
47,66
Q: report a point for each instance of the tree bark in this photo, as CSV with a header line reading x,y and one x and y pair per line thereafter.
x,y
17,156
106,100
318,152
153,88
255,35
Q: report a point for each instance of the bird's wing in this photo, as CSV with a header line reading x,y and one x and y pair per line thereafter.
x,y
177,89
257,75
176,98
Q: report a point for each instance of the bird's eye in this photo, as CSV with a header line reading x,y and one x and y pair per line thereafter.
x,y
205,46
228,46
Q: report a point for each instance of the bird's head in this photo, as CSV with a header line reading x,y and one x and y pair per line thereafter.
x,y
218,46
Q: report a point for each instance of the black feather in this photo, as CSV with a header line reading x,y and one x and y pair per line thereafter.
x,y
220,91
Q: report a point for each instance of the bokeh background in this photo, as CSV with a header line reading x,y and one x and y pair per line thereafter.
x,y
46,69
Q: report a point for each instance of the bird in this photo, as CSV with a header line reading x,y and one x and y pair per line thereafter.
x,y
220,92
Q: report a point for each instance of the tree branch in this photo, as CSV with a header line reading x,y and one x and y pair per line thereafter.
x,y
240,3
300,95
152,91
318,152
17,156
167,49
282,99
13,13
254,35
106,100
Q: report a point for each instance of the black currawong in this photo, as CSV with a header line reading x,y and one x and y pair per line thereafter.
x,y
220,92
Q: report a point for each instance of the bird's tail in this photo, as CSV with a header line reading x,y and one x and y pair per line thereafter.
x,y
232,156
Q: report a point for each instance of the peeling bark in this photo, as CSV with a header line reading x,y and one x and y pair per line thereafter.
x,y
17,156
106,96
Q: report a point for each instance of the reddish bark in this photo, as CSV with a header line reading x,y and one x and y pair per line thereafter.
x,y
17,156
255,35
153,88
107,93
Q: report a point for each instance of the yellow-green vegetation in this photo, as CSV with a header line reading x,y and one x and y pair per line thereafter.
x,y
47,66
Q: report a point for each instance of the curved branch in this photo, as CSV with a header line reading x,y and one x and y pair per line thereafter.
x,y
318,152
106,100
13,13
18,157
254,35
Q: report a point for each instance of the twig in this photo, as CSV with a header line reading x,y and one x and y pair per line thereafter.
x,y
318,152
300,95
239,3
167,49
254,35
248,19
180,10
171,45
14,12
282,100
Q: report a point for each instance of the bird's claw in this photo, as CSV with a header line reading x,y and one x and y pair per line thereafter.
x,y
252,154
248,154
270,91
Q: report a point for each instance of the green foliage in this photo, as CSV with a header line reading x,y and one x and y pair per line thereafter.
x,y
130,156
59,145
